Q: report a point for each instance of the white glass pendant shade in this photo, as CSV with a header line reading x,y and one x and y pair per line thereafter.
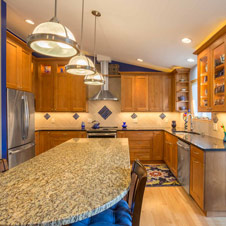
x,y
96,79
80,65
53,39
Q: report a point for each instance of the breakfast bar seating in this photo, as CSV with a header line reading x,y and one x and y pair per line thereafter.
x,y
123,213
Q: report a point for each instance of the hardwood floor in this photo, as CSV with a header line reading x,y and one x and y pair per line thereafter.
x,y
163,206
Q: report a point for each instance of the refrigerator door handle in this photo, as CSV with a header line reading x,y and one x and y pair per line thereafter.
x,y
27,119
23,117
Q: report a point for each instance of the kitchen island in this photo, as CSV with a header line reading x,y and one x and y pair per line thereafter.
x,y
66,184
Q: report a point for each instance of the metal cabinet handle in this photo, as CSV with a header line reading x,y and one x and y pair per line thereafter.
x,y
196,161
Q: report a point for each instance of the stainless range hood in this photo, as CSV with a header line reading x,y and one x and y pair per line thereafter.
x,y
104,93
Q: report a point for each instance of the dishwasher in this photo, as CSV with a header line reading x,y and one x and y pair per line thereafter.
x,y
183,167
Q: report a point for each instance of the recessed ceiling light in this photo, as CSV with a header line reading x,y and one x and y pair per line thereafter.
x,y
30,21
186,40
190,60
140,60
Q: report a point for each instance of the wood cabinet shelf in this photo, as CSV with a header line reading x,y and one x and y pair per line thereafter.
x,y
219,67
182,101
179,91
204,74
185,82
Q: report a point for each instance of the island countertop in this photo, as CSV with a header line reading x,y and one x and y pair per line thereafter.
x,y
68,183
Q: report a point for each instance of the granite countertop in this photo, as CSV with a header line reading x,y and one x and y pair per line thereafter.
x,y
68,183
203,142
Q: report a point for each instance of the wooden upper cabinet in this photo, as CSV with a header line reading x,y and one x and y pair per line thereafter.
x,y
44,87
26,71
141,93
18,64
218,78
12,65
155,94
160,93
204,81
127,93
61,92
167,93
77,93
58,91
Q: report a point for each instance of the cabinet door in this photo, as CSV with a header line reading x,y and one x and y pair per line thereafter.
x,y
26,71
44,141
167,93
77,93
197,176
44,87
204,81
13,73
141,93
61,92
127,93
37,143
157,150
155,95
218,91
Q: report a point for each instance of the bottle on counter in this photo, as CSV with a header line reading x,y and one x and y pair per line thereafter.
x,y
83,126
124,126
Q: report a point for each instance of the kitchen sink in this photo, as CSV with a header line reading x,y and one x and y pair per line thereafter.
x,y
186,132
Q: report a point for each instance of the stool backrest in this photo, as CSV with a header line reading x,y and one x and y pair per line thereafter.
x,y
136,192
3,165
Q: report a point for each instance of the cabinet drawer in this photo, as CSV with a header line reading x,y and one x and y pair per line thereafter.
x,y
139,135
141,154
140,143
197,153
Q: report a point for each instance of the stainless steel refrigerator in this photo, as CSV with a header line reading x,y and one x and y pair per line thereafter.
x,y
21,126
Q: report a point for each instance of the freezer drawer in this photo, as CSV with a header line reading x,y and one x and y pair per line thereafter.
x,y
21,154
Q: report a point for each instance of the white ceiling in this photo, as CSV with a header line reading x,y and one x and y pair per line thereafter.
x,y
129,29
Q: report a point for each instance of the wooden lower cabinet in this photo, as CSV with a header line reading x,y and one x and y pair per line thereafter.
x,y
144,145
197,175
170,152
37,142
50,139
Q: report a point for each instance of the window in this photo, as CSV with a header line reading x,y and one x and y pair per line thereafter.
x,y
194,104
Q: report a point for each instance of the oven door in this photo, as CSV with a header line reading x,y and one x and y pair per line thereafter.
x,y
101,135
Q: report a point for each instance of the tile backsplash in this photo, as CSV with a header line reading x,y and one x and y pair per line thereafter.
x,y
116,118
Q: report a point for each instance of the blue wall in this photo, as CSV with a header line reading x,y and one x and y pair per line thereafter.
x,y
3,79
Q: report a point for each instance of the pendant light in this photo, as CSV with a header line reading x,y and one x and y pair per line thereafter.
x,y
53,39
97,78
80,65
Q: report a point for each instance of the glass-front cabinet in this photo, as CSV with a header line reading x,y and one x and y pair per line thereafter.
x,y
218,75
204,81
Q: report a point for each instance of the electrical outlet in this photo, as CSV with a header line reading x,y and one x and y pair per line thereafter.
x,y
135,120
215,127
89,120
53,120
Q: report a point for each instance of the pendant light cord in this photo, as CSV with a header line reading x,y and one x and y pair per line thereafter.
x,y
83,3
94,51
55,9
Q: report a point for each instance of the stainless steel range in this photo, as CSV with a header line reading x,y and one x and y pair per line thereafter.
x,y
102,132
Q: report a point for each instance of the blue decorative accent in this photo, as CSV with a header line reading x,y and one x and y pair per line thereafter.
x,y
83,126
3,79
117,215
76,116
162,116
134,115
124,125
47,116
105,112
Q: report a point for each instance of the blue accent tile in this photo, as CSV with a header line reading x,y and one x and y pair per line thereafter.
x,y
162,116
134,115
47,116
76,116
105,112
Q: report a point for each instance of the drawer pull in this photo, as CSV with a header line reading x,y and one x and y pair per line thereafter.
x,y
197,162
195,152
